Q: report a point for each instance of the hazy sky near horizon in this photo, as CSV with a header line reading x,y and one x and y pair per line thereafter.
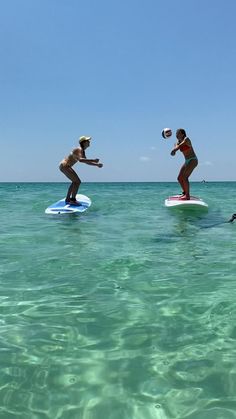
x,y
119,71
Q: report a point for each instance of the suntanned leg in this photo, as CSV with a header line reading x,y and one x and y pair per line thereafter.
x,y
69,192
186,171
180,179
186,188
73,188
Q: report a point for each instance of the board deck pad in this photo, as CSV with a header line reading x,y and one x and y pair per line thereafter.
x,y
60,207
193,203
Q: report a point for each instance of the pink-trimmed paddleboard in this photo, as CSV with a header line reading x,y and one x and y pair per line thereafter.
x,y
193,203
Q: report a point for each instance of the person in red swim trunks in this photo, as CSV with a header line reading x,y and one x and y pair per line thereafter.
x,y
185,146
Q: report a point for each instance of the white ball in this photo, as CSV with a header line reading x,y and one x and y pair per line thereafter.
x,y
166,133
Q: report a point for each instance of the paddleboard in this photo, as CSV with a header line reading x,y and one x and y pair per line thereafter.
x,y
193,203
60,207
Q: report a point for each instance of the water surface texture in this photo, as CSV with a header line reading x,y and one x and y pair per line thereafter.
x,y
125,312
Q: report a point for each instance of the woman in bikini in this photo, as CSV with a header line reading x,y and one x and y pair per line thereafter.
x,y
76,155
185,146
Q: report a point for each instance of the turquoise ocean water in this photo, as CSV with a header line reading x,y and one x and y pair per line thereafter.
x,y
126,312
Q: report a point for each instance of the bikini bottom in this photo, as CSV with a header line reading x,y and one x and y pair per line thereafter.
x,y
187,161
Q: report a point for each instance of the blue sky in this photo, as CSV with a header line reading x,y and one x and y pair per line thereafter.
x,y
119,71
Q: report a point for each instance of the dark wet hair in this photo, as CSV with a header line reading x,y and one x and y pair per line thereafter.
x,y
232,218
83,150
181,131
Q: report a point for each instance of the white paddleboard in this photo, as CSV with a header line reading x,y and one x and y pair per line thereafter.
x,y
61,207
193,203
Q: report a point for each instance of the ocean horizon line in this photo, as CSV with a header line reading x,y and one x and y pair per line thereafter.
x,y
118,181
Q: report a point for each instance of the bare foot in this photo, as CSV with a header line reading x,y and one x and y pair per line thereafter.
x,y
184,198
75,202
72,202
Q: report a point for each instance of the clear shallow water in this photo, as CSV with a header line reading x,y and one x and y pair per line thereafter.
x,y
127,312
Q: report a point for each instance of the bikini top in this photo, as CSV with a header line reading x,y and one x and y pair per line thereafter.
x,y
74,156
185,147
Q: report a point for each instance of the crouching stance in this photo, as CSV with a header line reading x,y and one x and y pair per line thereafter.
x,y
76,155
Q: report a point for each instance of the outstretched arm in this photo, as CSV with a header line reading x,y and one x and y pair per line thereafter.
x,y
91,162
82,159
